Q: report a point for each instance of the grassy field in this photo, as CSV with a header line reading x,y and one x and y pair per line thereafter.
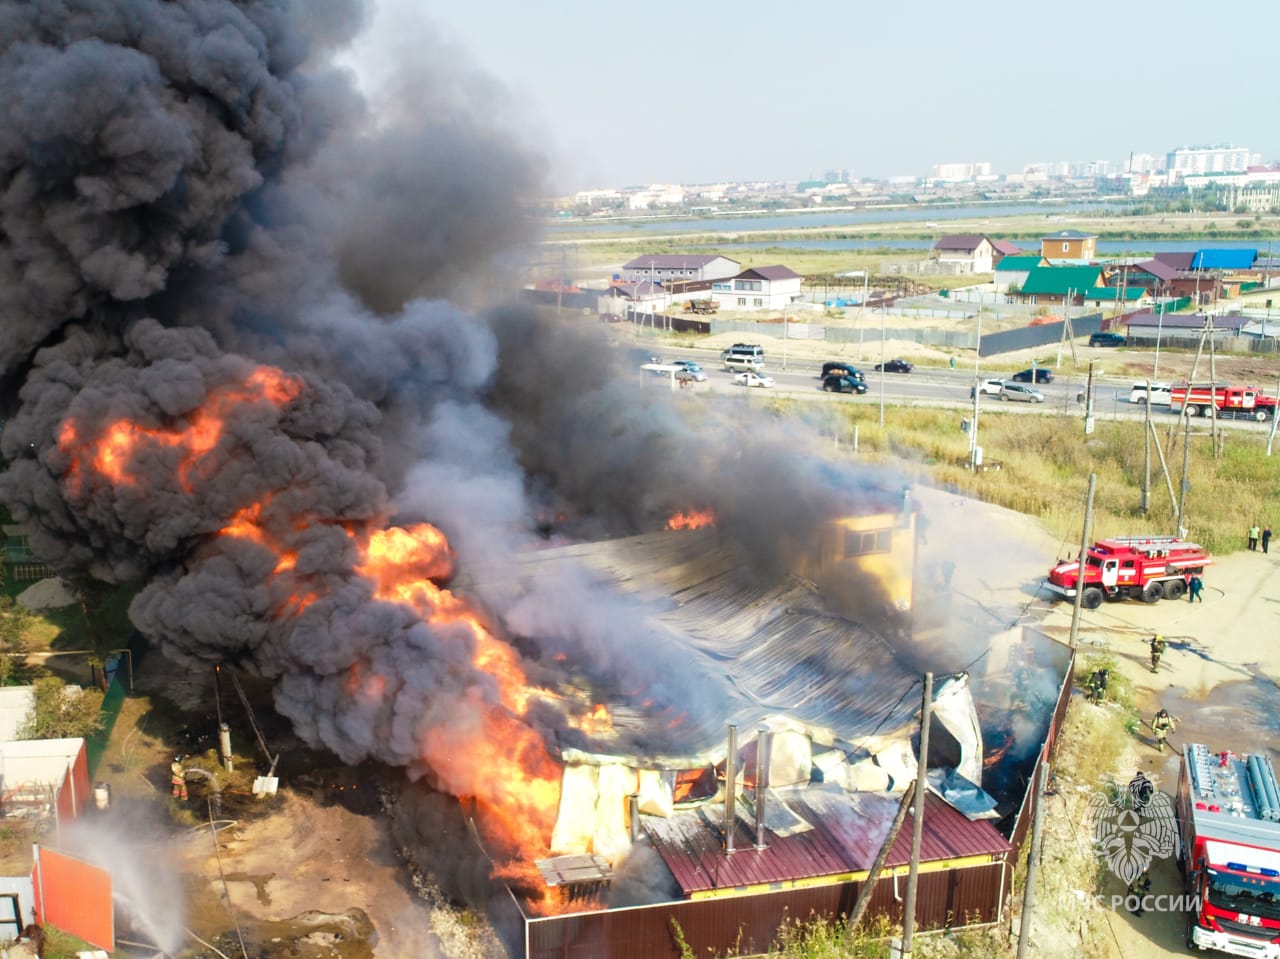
x,y
1046,462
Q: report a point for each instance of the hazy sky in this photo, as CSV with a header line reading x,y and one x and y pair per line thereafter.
x,y
621,94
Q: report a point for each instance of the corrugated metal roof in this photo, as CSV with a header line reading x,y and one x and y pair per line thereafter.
x,y
671,261
1069,235
745,652
1005,248
1224,260
848,830
770,273
963,242
1060,280
1114,293
1179,261
1019,263
1157,268
1195,321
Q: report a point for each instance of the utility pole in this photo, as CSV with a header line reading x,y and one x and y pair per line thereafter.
x,y
1033,863
1146,454
917,820
1084,558
977,397
1088,402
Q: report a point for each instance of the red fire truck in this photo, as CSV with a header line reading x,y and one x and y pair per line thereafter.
x,y
1228,810
1233,401
1149,568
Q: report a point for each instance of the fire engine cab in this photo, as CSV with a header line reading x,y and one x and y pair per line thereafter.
x,y
1228,810
1149,568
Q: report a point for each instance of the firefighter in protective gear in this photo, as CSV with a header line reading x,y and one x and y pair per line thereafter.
x,y
178,778
1162,726
1097,689
1157,650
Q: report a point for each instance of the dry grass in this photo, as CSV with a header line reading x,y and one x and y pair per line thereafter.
x,y
1046,462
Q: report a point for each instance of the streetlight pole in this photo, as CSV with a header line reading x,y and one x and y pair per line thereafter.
x,y
1155,369
977,396
882,361
862,312
784,336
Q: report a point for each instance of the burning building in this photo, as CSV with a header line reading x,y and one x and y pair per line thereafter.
x,y
233,379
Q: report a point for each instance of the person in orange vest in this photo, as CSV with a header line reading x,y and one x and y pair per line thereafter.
x,y
178,778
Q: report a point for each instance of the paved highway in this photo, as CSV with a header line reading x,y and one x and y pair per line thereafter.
x,y
931,386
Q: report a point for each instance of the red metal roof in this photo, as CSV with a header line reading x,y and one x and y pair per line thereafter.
x,y
847,832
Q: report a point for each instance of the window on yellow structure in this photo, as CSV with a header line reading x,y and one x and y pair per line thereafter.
x,y
866,541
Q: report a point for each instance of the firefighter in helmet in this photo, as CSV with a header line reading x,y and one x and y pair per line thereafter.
x,y
1156,643
1097,686
1162,726
178,778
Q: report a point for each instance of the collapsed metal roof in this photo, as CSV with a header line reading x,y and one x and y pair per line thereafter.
x,y
752,651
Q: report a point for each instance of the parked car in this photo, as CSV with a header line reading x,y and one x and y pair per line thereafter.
x,y
988,388
1106,338
1038,374
690,367
840,368
748,378
1020,393
843,384
895,366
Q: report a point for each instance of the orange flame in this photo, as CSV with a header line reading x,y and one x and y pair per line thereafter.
x,y
694,519
486,751
598,722
502,763
115,452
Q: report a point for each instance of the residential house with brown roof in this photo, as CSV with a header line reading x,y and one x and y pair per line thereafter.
x,y
760,288
971,252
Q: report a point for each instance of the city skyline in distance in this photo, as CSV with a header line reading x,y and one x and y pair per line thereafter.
x,y
697,94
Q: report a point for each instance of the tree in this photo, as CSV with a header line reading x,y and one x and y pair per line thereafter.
x,y
14,620
61,711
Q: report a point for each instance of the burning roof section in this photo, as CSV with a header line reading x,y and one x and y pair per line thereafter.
x,y
736,652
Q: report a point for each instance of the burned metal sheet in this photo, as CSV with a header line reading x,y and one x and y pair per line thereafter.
x,y
729,651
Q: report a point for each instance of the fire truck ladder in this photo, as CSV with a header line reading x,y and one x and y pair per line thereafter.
x,y
1146,540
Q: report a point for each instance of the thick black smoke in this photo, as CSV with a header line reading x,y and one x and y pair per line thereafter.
x,y
191,194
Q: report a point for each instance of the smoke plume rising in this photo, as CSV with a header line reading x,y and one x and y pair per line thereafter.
x,y
234,377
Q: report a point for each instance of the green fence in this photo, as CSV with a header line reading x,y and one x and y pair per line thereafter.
x,y
120,668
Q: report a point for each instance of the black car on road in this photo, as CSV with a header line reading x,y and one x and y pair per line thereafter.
x,y
1106,338
840,368
895,366
843,384
1039,374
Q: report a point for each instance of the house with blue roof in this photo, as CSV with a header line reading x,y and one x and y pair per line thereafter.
x,y
1230,259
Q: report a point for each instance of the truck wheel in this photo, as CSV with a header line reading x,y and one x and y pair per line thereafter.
x,y
1152,593
1092,598
1174,588
1191,942
1194,410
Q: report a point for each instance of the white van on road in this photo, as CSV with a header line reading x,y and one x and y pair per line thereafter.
x,y
1160,394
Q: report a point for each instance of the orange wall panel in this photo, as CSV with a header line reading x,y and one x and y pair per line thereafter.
x,y
75,897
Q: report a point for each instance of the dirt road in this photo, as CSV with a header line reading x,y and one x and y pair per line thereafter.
x,y
1218,676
